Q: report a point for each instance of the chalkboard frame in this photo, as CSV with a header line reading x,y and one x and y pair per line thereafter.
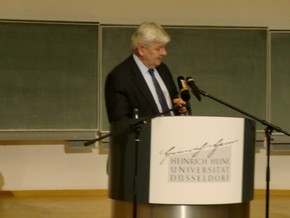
x,y
76,42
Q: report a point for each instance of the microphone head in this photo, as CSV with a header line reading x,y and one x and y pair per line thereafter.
x,y
183,89
194,88
189,80
180,78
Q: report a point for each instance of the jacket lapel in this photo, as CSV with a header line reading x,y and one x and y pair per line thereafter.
x,y
143,87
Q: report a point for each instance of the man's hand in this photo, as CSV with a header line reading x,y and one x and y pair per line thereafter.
x,y
180,105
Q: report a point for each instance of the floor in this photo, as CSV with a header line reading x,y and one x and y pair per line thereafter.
x,y
98,206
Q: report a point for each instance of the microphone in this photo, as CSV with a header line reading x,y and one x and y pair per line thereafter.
x,y
195,90
184,93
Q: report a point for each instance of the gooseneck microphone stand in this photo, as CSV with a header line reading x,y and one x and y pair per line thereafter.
x,y
139,121
268,132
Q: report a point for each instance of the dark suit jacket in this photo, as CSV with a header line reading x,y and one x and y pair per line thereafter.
x,y
126,89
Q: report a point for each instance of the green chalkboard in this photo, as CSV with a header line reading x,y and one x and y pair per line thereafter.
x,y
280,78
48,74
228,63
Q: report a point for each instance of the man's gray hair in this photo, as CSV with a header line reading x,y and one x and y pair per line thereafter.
x,y
147,33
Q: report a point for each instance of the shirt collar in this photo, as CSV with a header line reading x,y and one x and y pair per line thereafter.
x,y
140,64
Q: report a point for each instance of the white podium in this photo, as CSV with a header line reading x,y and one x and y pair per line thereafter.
x,y
187,166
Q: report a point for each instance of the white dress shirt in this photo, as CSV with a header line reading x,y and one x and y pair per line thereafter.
x,y
148,79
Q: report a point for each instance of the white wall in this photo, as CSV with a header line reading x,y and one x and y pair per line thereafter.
x,y
45,167
279,172
274,14
48,167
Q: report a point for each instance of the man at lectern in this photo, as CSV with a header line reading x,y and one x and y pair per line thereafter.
x,y
142,81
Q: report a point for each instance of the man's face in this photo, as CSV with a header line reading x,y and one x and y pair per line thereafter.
x,y
151,55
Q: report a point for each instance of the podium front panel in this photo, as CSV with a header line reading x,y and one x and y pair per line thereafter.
x,y
201,160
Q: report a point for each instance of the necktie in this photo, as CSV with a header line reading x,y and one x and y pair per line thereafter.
x,y
159,92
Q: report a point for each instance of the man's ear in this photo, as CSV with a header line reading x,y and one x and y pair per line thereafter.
x,y
140,49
